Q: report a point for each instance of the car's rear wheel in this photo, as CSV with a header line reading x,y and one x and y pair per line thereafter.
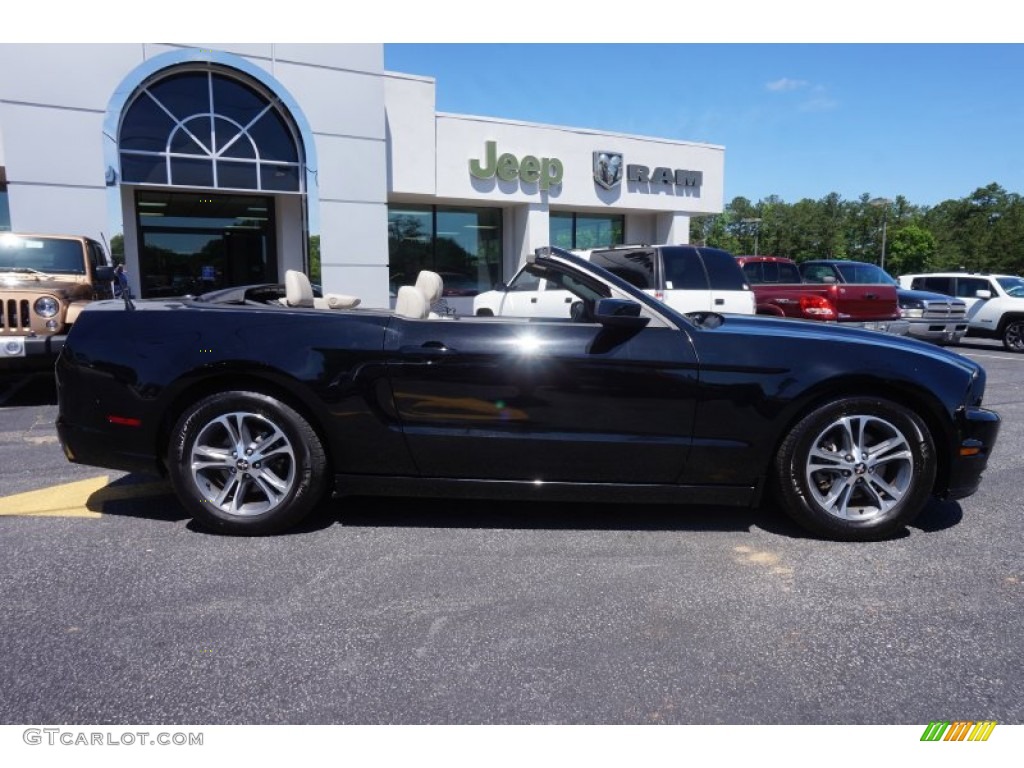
x,y
1013,336
245,462
484,313
856,469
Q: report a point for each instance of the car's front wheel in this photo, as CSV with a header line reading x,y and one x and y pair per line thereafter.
x,y
1013,336
245,462
856,469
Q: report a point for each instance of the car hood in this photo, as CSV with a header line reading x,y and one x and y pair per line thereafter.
x,y
757,327
910,295
63,286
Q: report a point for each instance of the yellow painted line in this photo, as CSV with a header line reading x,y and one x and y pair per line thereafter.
x,y
84,498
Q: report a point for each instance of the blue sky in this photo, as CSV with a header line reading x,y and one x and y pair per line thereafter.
x,y
927,121
883,98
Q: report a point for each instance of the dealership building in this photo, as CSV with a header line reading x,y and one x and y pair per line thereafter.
x,y
209,166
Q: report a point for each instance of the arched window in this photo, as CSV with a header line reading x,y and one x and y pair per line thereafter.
x,y
207,129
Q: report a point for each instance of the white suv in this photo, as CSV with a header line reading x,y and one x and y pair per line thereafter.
x,y
995,303
686,277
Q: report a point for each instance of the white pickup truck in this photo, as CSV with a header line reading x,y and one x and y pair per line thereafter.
x,y
686,277
995,303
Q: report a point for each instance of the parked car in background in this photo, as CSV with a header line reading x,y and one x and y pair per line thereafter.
x,y
459,284
686,277
995,303
45,282
781,291
257,409
933,317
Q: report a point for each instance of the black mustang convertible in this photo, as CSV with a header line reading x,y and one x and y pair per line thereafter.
x,y
258,401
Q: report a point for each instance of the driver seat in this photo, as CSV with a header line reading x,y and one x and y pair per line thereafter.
x,y
299,293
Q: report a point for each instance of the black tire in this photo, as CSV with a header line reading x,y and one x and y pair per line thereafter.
x,y
246,463
484,313
1013,335
829,482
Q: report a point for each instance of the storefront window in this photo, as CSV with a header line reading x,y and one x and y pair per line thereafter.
x,y
463,245
561,227
205,129
586,230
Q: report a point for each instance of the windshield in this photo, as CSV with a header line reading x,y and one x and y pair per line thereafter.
x,y
864,274
38,254
1014,286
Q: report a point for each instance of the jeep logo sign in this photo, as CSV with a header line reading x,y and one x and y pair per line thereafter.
x,y
546,172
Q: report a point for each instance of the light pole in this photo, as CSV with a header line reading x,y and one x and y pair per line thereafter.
x,y
884,203
757,230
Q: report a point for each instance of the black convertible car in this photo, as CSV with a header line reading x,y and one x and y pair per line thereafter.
x,y
258,401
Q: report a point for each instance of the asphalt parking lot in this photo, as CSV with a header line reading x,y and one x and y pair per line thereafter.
x,y
118,610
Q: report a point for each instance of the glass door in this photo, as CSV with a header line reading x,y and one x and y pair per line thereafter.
x,y
191,243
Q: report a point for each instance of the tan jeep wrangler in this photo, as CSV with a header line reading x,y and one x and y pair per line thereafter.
x,y
45,281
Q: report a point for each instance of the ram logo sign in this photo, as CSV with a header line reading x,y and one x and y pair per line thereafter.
x,y
607,169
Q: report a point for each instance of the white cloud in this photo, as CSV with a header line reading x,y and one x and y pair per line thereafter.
x,y
819,104
786,84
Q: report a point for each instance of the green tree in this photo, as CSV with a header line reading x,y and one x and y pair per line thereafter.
x,y
117,248
910,249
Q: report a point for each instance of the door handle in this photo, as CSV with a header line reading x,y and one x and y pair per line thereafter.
x,y
870,295
719,302
533,300
429,349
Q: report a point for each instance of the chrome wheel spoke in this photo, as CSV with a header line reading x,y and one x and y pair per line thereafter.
x,y
825,458
238,500
211,457
273,491
892,493
275,445
847,427
886,445
904,455
279,484
837,499
229,486
234,438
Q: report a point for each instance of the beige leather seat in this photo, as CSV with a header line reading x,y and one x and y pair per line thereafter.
x,y
411,302
299,293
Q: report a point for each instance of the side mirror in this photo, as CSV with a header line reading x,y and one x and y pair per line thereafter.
x,y
103,274
828,279
619,313
983,294
500,286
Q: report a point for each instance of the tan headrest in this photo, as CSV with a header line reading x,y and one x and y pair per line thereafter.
x,y
297,289
341,301
411,303
430,285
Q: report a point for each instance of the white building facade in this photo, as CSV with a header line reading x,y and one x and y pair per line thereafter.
x,y
216,165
